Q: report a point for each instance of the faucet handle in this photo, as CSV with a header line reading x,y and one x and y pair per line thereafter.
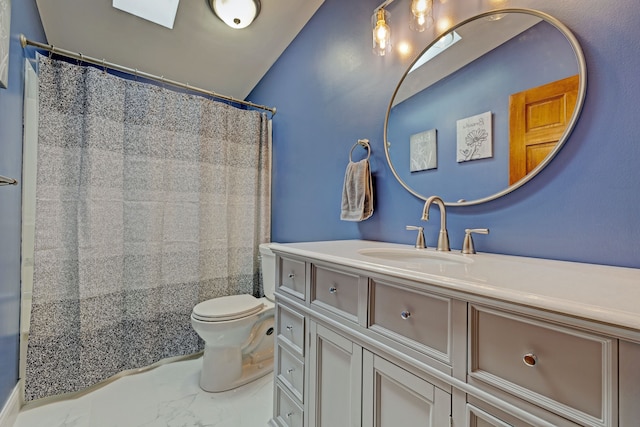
x,y
420,239
467,245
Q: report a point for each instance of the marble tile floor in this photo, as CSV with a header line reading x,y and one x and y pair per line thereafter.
x,y
168,396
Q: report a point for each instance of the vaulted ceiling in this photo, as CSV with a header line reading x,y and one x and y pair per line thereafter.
x,y
200,49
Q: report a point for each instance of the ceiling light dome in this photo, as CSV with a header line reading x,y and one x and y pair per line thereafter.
x,y
236,13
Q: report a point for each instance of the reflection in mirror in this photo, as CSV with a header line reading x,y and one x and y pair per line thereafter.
x,y
488,109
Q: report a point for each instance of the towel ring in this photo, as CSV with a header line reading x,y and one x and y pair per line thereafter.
x,y
365,144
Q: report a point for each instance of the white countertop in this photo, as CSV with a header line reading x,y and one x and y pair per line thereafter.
x,y
605,294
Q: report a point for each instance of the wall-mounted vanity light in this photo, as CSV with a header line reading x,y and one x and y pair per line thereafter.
x,y
381,32
421,19
236,13
421,15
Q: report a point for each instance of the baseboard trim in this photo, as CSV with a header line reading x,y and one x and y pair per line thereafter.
x,y
11,408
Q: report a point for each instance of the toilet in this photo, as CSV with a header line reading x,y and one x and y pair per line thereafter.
x,y
238,333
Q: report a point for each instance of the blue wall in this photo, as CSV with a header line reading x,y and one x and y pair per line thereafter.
x,y
25,20
331,90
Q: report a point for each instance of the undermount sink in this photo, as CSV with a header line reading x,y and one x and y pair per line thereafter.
x,y
415,256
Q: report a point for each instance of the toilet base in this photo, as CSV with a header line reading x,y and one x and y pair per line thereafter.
x,y
215,378
225,368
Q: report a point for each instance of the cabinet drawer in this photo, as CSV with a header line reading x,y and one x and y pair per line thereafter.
x,y
290,371
562,369
292,277
291,328
478,418
288,413
336,291
412,318
481,414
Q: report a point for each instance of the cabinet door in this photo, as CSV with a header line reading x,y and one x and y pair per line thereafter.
x,y
392,397
335,379
629,384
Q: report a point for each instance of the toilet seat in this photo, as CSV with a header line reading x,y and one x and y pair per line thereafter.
x,y
231,307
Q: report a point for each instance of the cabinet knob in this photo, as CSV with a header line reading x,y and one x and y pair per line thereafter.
x,y
291,275
289,414
530,359
405,314
333,290
290,370
289,328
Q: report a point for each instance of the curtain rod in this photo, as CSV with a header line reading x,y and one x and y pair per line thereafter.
x,y
56,50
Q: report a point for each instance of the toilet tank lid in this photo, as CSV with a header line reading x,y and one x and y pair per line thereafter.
x,y
229,307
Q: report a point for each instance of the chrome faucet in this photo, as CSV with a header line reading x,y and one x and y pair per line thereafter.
x,y
443,237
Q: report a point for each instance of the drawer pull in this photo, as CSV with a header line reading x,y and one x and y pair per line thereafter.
x,y
290,370
291,275
405,314
289,328
333,290
530,359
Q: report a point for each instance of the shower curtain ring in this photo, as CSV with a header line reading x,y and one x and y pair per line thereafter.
x,y
52,51
104,67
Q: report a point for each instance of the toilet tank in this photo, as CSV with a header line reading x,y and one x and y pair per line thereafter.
x,y
268,264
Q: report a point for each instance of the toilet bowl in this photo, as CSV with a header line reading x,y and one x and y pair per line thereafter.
x,y
238,334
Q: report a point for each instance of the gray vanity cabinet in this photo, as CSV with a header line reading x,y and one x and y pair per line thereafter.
x,y
347,382
361,348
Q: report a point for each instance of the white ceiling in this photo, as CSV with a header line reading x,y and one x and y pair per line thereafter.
x,y
200,49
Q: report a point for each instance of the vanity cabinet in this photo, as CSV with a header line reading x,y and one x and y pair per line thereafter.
x,y
361,347
346,380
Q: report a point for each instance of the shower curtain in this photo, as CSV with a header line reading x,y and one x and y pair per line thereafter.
x,y
148,201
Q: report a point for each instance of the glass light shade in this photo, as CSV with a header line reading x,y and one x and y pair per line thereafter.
x,y
236,13
421,15
381,32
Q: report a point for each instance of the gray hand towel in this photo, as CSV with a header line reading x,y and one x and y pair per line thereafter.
x,y
357,193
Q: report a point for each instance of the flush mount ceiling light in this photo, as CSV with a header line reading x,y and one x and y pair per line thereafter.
x,y
236,13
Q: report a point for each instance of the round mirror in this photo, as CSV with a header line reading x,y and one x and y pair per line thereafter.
x,y
485,107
